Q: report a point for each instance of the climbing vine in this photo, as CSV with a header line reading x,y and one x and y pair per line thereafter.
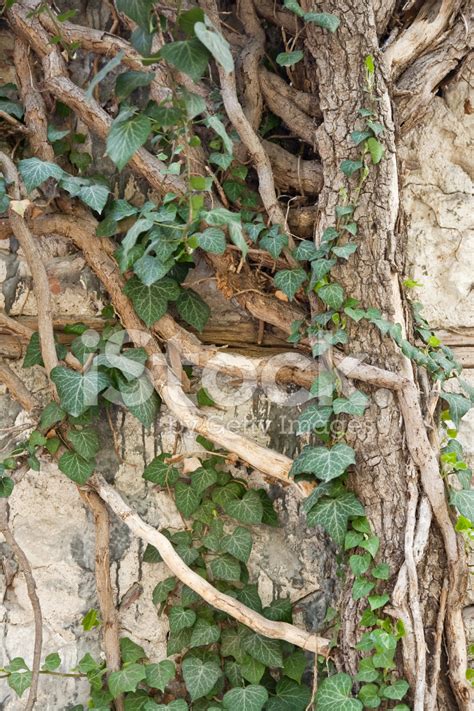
x,y
208,203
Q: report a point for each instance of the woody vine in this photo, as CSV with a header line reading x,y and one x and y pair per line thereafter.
x,y
204,153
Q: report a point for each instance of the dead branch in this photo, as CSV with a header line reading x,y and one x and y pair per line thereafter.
x,y
291,172
430,22
272,84
16,387
298,122
25,567
110,621
248,65
432,698
33,257
215,598
282,18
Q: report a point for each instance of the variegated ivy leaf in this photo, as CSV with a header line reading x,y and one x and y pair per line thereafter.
x,y
212,240
355,404
35,171
333,514
458,405
225,567
335,694
289,281
324,463
193,309
180,618
140,397
159,675
274,241
78,391
204,633
267,651
289,695
332,295
75,467
85,442
314,417
323,19
464,502
345,250
200,677
94,195
189,56
151,302
238,543
248,698
127,679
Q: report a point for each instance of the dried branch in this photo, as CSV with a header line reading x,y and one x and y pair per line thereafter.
x,y
25,568
33,257
298,122
291,172
282,18
274,85
16,387
105,593
219,600
248,65
430,22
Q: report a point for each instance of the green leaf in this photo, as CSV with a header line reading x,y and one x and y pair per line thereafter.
x,y
359,564
376,150
332,295
355,404
202,479
288,59
149,302
289,281
349,167
381,571
324,385
295,665
159,675
248,509
75,467
163,589
333,514
267,651
127,679
238,544
95,196
345,250
361,588
216,44
397,690
334,694
306,251
189,56
33,352
187,499
225,567
180,618
14,108
35,171
106,69
250,597
290,696
129,81
19,681
161,473
193,309
136,10
127,134
6,486
325,463
78,391
51,415
216,124
204,633
323,19
464,502
274,241
371,544
85,442
140,398
130,651
458,405
369,696
359,136
200,677
294,6
212,240
248,698
90,620
52,662
366,672
314,417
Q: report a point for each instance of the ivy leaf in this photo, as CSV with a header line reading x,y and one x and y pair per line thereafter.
x,y
141,399
193,309
349,167
78,391
136,10
355,404
324,463
212,240
13,108
149,302
52,662
359,564
187,499
129,81
159,675
464,502
127,679
289,281
149,269
376,150
225,567
248,509
204,633
314,417
306,251
397,690
163,589
332,295
267,651
95,196
345,250
294,6
238,544
295,665
35,171
161,473
274,242
75,467
6,486
288,59
378,601
334,694
381,571
85,442
51,414
319,269
127,134
324,20
216,44
290,696
203,478
248,698
19,681
200,677
189,56
359,136
180,618
458,405
333,514
131,651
